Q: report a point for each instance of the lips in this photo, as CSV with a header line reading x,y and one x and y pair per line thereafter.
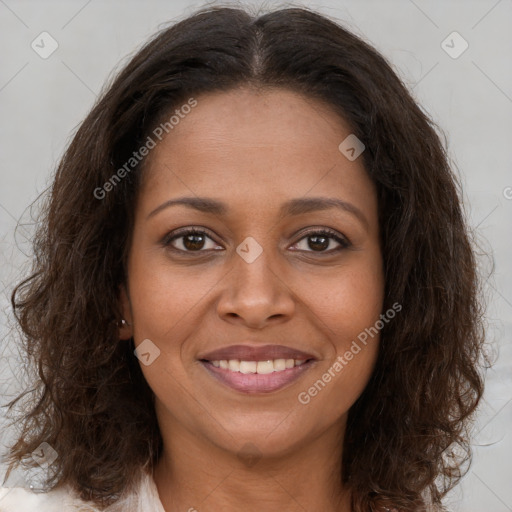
x,y
257,369
252,353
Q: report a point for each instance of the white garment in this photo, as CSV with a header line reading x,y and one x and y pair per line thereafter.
x,y
17,499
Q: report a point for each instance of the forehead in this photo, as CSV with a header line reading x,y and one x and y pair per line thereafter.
x,y
254,147
253,117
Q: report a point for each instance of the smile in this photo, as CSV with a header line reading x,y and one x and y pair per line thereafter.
x,y
259,367
257,376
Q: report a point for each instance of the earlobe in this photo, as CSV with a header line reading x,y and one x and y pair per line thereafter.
x,y
125,325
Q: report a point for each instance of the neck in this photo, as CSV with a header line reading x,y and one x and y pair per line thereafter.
x,y
194,475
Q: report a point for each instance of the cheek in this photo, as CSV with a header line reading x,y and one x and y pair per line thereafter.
x,y
346,300
335,389
347,306
348,309
163,297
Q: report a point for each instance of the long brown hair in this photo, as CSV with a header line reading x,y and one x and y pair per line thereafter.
x,y
91,402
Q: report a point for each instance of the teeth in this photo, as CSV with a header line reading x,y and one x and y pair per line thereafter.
x,y
261,367
265,367
234,365
279,365
248,366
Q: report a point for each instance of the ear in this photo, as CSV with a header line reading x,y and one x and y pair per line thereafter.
x,y
126,329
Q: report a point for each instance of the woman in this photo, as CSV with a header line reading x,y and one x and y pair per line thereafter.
x,y
253,287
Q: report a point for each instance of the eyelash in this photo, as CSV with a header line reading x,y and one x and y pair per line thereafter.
x,y
328,233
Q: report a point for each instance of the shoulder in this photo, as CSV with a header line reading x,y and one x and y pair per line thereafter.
x,y
141,498
18,499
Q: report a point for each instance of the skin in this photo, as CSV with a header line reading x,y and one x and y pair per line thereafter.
x,y
253,150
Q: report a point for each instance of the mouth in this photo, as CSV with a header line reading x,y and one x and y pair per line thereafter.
x,y
257,369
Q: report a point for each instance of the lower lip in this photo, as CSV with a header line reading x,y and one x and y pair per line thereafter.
x,y
255,382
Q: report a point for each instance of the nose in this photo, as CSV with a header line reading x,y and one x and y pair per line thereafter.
x,y
256,294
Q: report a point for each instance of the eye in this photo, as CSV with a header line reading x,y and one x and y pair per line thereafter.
x,y
189,240
196,240
319,241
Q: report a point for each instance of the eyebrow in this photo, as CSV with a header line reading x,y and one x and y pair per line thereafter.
x,y
289,208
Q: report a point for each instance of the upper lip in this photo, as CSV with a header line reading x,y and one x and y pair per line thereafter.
x,y
255,353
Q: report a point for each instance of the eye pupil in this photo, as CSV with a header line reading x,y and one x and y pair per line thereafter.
x,y
197,241
318,242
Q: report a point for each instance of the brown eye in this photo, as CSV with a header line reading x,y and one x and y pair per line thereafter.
x,y
320,241
192,240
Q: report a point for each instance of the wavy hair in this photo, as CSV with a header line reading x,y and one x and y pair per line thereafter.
x,y
90,401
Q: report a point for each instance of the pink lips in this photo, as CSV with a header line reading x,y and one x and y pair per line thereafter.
x,y
254,382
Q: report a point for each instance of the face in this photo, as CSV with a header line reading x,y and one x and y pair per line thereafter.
x,y
269,272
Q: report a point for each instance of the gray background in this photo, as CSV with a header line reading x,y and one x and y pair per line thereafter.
x,y
43,100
